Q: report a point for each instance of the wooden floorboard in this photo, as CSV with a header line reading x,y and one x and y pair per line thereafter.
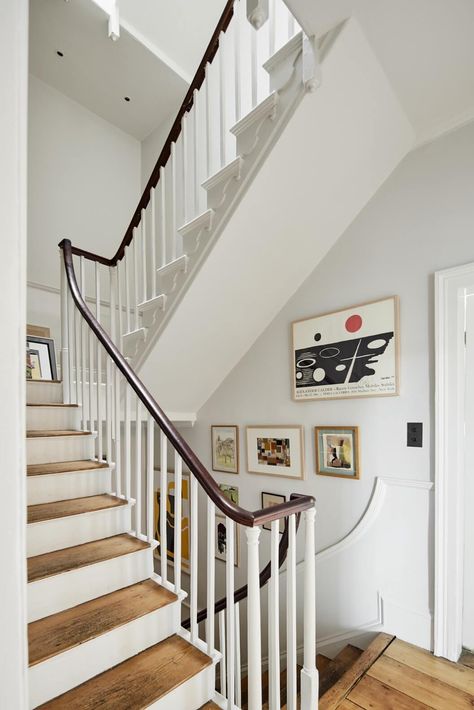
x,y
453,674
373,695
75,506
467,659
42,469
44,433
341,688
59,632
139,681
52,563
420,686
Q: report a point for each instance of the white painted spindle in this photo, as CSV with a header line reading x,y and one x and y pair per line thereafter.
x,y
196,185
309,674
178,497
274,621
230,613
84,330
238,661
153,237
291,616
144,256
222,649
163,500
211,576
254,652
173,203
119,270
184,167
64,334
207,89
127,449
254,66
100,445
163,251
150,468
194,559
138,467
222,100
118,424
136,250
127,258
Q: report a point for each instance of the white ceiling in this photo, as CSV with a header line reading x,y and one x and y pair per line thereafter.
x,y
426,48
99,73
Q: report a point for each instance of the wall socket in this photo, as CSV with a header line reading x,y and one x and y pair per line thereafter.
x,y
414,434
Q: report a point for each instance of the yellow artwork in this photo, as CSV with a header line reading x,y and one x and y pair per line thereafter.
x,y
170,521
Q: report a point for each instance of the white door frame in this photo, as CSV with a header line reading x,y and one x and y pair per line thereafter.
x,y
451,288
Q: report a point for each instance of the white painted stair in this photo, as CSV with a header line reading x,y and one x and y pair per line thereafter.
x,y
103,632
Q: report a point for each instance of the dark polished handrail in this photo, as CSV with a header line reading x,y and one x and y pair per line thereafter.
x,y
186,106
224,504
264,576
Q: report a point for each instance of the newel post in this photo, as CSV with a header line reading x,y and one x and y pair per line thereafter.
x,y
64,330
257,12
254,653
309,673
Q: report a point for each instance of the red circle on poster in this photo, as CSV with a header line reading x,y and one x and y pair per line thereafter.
x,y
353,324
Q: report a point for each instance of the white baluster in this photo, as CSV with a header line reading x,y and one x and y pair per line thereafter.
x,y
222,649
83,347
184,167
173,203
119,269
274,622
64,334
238,678
100,446
237,61
118,424
127,449
71,312
127,287
207,89
138,468
153,242
291,616
144,258
194,559
92,376
163,251
136,247
223,102
195,115
253,622
309,674
211,576
178,496
230,613
254,67
150,468
291,25
77,354
163,501
272,28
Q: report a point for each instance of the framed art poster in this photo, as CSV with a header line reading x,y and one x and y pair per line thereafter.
x,y
268,500
348,353
337,451
232,492
44,351
276,450
221,540
170,521
225,448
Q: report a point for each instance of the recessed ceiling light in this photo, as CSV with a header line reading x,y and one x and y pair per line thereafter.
x,y
59,53
126,98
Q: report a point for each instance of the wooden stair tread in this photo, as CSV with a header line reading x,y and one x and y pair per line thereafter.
x,y
52,563
336,668
75,506
139,681
335,694
43,433
39,469
210,706
322,662
56,382
67,629
51,404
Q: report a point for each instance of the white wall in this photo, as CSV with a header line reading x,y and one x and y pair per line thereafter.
x,y
468,607
13,134
83,183
421,220
151,147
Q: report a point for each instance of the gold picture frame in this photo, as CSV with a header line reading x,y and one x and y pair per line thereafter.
x,y
276,450
225,448
337,451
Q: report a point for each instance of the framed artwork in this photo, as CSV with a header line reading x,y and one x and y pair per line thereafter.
x,y
170,509
225,448
276,450
33,366
349,353
337,451
221,541
268,500
44,348
232,492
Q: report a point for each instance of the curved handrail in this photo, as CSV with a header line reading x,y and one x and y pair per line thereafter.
x,y
224,504
186,105
264,576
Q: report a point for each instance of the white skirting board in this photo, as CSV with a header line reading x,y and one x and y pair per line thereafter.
x,y
64,486
52,449
64,671
63,591
59,533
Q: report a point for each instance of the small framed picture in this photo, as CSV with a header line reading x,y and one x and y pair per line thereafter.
x,y
337,451
221,541
232,492
276,450
170,520
44,357
225,448
33,366
268,500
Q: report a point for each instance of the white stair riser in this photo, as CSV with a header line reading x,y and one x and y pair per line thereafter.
x,y
41,418
44,392
64,486
63,591
191,695
66,670
51,449
76,529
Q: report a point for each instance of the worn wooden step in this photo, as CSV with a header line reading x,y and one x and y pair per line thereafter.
x,y
51,404
139,681
322,662
336,668
57,633
45,469
42,433
74,506
71,558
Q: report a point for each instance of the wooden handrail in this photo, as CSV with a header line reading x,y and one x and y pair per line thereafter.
x,y
224,504
186,106
265,575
